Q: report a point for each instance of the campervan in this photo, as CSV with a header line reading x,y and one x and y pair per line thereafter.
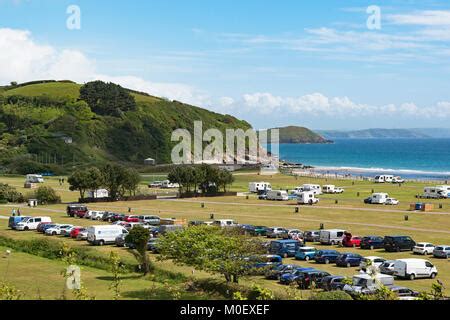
x,y
106,234
414,268
332,236
331,189
166,184
307,197
438,192
277,195
384,178
313,187
32,223
378,198
34,178
257,187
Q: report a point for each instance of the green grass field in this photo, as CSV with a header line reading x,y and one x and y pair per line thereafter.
x,y
350,214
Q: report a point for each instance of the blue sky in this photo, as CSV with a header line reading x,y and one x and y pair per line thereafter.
x,y
273,63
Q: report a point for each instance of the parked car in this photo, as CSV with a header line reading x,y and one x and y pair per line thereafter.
x,y
349,260
387,267
97,215
284,248
312,236
351,241
13,221
275,232
58,229
288,278
305,253
40,227
152,245
275,273
45,226
116,217
403,292
259,231
366,284
31,223
372,242
398,243
131,219
441,252
76,231
108,216
391,202
101,235
326,256
66,232
371,261
414,268
329,283
307,278
423,248
82,235
294,234
76,210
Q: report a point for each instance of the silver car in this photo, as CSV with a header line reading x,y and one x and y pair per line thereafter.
x,y
441,252
387,267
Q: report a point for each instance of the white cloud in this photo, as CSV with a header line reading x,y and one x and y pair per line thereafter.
x,y
22,59
422,18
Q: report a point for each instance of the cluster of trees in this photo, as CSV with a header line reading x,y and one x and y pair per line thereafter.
x,y
9,194
205,178
214,250
107,99
117,179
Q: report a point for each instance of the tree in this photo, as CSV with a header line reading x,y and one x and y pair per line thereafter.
x,y
47,195
212,250
107,98
139,237
113,177
130,181
225,178
10,194
85,179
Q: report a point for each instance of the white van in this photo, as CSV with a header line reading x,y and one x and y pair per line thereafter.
x,y
277,195
166,184
256,187
379,198
313,187
331,189
224,223
100,235
307,197
414,268
32,223
331,236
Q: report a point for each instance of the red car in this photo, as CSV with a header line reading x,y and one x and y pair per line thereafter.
x,y
76,210
131,219
351,241
75,231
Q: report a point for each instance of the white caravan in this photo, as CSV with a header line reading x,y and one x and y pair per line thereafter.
x,y
100,235
332,236
224,223
414,268
277,195
384,178
98,194
307,197
34,178
256,187
379,198
313,187
32,223
166,184
438,192
331,189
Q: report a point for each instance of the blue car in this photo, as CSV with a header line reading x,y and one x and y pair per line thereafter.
x,y
284,248
326,256
276,272
305,253
349,260
48,226
288,278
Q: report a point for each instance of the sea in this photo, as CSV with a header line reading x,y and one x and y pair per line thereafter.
x,y
420,159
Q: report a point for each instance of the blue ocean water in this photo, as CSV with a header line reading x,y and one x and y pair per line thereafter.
x,y
410,158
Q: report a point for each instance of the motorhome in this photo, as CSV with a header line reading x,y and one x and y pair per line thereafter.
x,y
224,223
378,198
437,192
414,268
331,189
384,179
31,223
257,187
277,195
106,234
332,236
34,178
307,197
312,187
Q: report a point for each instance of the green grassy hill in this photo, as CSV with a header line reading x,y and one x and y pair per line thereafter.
x,y
293,134
37,120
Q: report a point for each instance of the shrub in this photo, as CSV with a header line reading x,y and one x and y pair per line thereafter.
x,y
47,195
9,194
331,295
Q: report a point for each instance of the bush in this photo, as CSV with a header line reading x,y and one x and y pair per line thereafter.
x,y
47,195
331,295
9,194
